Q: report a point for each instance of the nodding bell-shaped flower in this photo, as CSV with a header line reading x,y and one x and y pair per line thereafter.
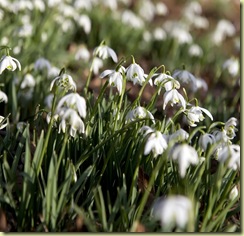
x,y
3,97
174,97
230,127
9,63
194,114
135,74
139,113
64,81
185,155
103,51
205,140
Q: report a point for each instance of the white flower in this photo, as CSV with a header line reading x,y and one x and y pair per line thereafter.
x,y
230,154
3,122
53,72
195,50
163,79
103,51
82,54
174,97
85,22
230,127
28,81
9,63
232,65
186,77
97,64
71,119
135,74
194,114
233,193
129,18
74,101
179,136
64,81
185,155
159,34
156,142
49,100
115,77
200,83
161,9
173,211
42,64
139,113
205,140
147,10
3,97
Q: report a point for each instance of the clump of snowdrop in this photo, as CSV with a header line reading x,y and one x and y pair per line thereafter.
x,y
156,141
185,155
175,210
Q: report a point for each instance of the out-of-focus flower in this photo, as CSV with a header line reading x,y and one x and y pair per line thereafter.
x,y
48,100
147,10
205,140
179,135
130,19
64,81
173,211
185,155
156,142
186,78
195,50
97,64
3,122
232,66
3,97
103,51
42,64
74,101
28,81
161,9
159,34
53,72
233,193
174,97
139,113
201,83
70,119
82,54
194,114
230,127
85,22
223,29
230,155
9,63
115,77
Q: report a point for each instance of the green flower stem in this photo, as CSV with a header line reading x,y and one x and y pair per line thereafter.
x,y
89,76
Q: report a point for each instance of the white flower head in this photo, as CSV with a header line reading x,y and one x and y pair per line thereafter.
x,y
74,101
230,127
194,114
28,81
3,122
9,63
179,136
185,155
185,77
97,64
3,97
232,66
233,193
103,51
42,64
82,54
156,141
205,140
173,211
201,83
115,77
70,119
174,97
64,81
135,74
195,50
139,113
166,81
230,154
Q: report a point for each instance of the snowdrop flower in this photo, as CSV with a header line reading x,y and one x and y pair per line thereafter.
x,y
156,142
185,77
131,19
53,72
179,136
3,123
200,83
230,127
82,54
103,51
205,140
3,97
28,81
49,100
221,136
194,114
139,113
97,64
195,50
232,66
159,34
230,154
181,35
64,81
161,9
135,74
147,10
42,64
167,81
9,63
233,193
115,77
185,155
74,101
71,119
173,211
85,22
174,97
